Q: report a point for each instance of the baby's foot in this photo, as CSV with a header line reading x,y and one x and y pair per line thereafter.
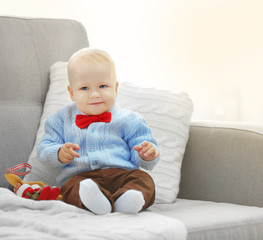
x,y
131,201
92,197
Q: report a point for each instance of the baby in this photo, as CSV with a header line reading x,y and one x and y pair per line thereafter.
x,y
99,146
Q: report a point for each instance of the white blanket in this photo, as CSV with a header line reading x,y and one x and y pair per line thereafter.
x,y
28,219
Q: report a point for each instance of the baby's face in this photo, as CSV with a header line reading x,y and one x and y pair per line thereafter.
x,y
92,88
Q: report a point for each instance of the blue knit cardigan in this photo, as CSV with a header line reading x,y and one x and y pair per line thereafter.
x,y
102,145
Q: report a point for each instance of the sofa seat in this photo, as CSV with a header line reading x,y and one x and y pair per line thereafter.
x,y
207,220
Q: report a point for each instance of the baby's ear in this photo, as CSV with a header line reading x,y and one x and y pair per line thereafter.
x,y
116,88
70,93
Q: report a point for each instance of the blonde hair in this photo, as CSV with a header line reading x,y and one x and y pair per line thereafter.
x,y
94,56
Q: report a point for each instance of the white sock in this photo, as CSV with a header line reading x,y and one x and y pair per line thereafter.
x,y
131,201
92,197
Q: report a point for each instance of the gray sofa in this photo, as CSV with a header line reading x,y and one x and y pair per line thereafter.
x,y
221,190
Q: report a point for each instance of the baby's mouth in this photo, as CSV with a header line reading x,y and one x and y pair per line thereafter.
x,y
96,103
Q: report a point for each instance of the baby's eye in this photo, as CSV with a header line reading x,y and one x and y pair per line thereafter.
x,y
84,88
103,86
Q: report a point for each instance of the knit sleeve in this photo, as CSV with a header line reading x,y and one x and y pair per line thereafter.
x,y
140,132
51,142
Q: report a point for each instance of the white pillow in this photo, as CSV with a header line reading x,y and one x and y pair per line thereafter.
x,y
167,114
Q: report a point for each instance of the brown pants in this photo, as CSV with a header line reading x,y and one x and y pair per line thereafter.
x,y
113,182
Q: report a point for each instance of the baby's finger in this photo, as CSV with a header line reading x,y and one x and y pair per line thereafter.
x,y
65,158
137,148
74,153
68,144
145,148
67,150
144,143
68,156
76,147
150,152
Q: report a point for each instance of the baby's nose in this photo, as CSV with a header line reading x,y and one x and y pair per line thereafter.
x,y
95,94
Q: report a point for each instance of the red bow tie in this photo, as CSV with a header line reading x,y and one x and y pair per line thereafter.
x,y
83,121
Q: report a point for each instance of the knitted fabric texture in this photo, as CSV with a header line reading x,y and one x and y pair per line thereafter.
x,y
102,145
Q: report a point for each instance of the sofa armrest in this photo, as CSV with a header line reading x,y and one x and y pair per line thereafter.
x,y
223,162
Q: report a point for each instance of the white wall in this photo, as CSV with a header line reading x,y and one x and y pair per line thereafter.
x,y
211,49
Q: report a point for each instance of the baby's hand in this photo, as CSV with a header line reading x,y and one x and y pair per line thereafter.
x,y
147,151
67,152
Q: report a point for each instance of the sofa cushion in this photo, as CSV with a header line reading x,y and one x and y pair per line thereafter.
x,y
213,221
234,148
167,114
29,46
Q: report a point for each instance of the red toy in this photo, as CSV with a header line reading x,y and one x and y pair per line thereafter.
x,y
31,190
